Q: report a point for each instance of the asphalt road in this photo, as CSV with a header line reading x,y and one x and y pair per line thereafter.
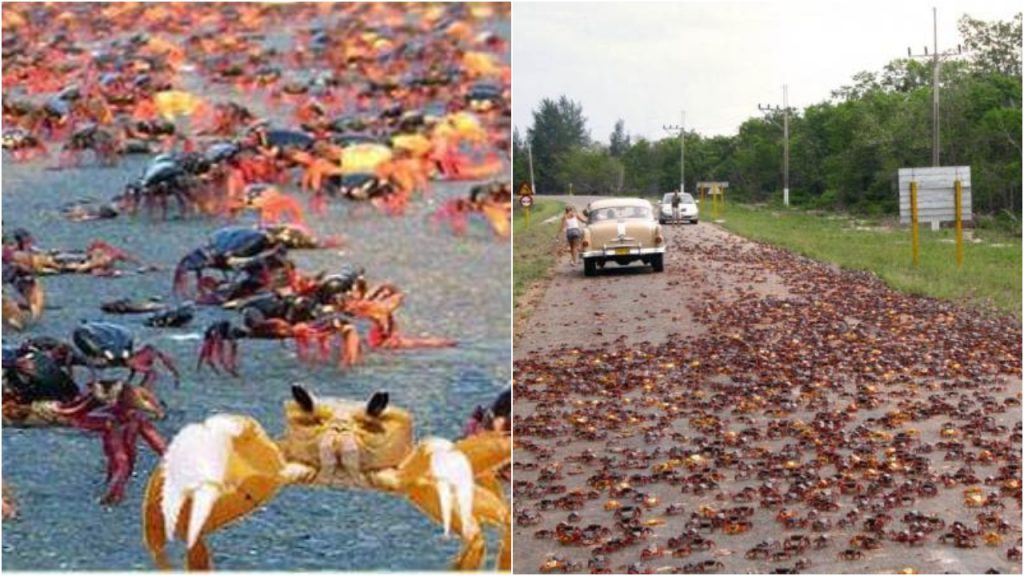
x,y
674,387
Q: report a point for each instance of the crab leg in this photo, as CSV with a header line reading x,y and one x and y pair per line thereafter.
x,y
119,467
131,435
152,437
439,479
78,408
143,362
389,338
229,357
212,474
208,351
351,347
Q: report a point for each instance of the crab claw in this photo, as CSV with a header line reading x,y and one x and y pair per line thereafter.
x,y
445,481
212,474
453,478
193,261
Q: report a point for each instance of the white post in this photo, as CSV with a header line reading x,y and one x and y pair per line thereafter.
x,y
682,153
935,88
785,134
529,149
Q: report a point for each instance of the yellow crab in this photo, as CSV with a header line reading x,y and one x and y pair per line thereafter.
x,y
218,471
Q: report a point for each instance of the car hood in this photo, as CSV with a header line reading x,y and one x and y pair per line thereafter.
x,y
607,232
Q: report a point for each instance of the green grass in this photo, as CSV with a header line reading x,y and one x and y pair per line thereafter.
x,y
534,246
990,277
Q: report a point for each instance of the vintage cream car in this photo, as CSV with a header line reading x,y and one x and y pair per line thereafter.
x,y
622,230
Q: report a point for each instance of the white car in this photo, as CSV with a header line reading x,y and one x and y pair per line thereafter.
x,y
687,209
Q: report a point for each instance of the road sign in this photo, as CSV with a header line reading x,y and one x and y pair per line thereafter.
x,y
936,193
526,201
712,187
525,190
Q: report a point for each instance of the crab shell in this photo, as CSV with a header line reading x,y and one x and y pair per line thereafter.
x,y
343,441
104,343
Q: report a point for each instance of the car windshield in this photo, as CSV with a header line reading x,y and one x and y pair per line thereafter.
x,y
620,212
683,198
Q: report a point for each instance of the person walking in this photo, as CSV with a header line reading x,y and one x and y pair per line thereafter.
x,y
676,200
572,227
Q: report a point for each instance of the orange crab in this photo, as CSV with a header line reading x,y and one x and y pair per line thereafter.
x,y
223,469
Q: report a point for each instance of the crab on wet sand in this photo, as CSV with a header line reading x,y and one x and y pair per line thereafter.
x,y
218,471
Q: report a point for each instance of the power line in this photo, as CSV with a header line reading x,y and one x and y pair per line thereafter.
x,y
935,56
681,128
785,109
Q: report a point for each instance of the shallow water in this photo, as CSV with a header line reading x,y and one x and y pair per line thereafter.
x,y
457,287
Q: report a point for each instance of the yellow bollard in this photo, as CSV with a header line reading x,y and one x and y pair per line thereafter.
x,y
957,204
915,241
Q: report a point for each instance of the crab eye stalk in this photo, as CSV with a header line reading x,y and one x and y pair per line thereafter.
x,y
302,397
378,402
109,355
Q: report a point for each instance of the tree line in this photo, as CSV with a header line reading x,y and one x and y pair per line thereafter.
x,y
844,152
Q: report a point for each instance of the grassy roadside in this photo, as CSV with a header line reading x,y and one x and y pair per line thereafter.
x,y
533,252
991,274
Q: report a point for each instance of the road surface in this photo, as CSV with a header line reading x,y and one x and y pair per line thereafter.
x,y
746,380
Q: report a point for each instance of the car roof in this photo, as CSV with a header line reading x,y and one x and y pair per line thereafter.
x,y
616,202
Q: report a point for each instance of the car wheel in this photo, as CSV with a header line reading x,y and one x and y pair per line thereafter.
x,y
658,262
695,221
589,267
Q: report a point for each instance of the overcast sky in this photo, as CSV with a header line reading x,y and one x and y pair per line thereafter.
x,y
644,62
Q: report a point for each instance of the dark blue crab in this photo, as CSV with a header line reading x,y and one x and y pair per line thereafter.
x,y
233,250
165,177
104,345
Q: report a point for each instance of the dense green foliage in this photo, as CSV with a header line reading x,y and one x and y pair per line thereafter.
x,y
844,152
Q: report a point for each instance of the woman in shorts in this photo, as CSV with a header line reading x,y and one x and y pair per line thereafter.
x,y
572,226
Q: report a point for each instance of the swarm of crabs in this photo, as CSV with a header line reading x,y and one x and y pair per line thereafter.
x,y
370,104
840,426
384,111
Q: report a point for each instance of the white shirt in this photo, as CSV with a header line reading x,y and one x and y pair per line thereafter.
x,y
572,223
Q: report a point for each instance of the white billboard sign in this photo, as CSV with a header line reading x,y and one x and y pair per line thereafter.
x,y
935,193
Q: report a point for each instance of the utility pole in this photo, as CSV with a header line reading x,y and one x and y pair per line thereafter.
x,y
682,148
529,149
785,138
934,57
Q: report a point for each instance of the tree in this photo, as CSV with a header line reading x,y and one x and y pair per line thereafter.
x,y
591,170
618,143
995,47
520,160
844,152
558,127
